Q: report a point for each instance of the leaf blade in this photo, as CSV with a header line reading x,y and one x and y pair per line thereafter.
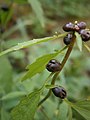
x,y
25,110
40,64
37,8
87,47
30,43
83,108
13,95
70,113
79,41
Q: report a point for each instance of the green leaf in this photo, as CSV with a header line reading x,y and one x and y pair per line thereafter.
x,y
6,16
4,114
83,108
25,110
13,95
70,113
37,8
5,74
79,41
87,47
63,111
40,64
84,104
30,43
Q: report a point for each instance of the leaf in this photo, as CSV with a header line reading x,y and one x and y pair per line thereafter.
x,y
25,110
37,8
83,108
13,95
79,41
30,43
87,47
70,113
84,104
63,111
6,16
4,114
5,74
40,64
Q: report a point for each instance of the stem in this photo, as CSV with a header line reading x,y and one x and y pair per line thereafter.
x,y
62,65
64,59
46,97
44,85
48,78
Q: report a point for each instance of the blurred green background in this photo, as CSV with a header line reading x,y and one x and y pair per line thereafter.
x,y
28,19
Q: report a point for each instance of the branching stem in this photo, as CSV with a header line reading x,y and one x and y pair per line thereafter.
x,y
70,47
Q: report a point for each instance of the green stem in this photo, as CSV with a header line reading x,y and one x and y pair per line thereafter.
x,y
45,98
43,87
64,59
48,78
62,65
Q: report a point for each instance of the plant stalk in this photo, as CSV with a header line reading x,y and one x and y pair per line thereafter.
x,y
70,47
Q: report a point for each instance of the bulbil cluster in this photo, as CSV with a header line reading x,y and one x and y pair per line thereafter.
x,y
79,27
53,66
59,92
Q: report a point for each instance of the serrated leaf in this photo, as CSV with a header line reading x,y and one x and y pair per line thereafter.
x,y
40,64
25,110
13,95
30,43
83,108
37,8
79,41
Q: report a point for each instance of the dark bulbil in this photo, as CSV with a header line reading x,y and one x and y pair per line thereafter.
x,y
81,25
68,27
85,35
53,66
74,27
67,39
59,92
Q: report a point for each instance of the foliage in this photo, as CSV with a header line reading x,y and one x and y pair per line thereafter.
x,y
19,99
65,8
27,107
